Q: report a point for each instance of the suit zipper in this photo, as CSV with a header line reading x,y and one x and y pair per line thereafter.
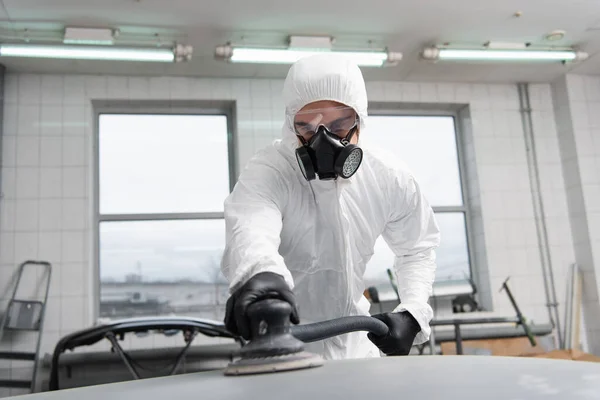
x,y
343,247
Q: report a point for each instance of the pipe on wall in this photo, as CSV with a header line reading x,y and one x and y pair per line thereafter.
x,y
2,101
538,209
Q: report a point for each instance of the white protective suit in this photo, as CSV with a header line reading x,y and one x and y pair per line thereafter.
x,y
319,235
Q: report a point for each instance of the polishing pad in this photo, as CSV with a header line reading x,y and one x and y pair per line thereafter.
x,y
272,348
286,362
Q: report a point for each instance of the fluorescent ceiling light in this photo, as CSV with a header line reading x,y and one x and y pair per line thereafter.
x,y
373,59
290,56
502,55
449,54
180,53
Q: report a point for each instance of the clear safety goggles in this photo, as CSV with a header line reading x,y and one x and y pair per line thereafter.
x,y
338,120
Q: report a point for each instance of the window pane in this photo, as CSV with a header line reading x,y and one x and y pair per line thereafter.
x,y
452,255
161,267
163,163
427,144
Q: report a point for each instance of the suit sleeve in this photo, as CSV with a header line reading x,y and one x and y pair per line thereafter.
x,y
253,223
413,235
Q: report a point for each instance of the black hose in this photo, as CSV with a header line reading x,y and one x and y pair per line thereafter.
x,y
339,326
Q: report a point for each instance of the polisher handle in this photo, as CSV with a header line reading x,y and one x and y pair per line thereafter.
x,y
339,326
271,317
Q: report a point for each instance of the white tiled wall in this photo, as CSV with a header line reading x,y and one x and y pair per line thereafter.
x,y
46,176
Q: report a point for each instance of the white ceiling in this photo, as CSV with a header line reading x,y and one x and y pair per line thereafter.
x,y
402,25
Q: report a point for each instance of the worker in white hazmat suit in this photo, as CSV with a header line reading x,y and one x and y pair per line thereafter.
x,y
302,221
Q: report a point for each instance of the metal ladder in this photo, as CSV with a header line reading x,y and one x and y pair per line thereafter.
x,y
25,315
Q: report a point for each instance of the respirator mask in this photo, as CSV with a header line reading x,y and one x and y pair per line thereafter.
x,y
326,150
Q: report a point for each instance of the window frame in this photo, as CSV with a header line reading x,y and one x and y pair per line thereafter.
x,y
153,107
422,110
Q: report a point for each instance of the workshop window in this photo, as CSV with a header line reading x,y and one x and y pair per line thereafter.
x,y
428,145
161,181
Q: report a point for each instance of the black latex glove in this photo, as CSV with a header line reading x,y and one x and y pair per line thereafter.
x,y
403,329
264,285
